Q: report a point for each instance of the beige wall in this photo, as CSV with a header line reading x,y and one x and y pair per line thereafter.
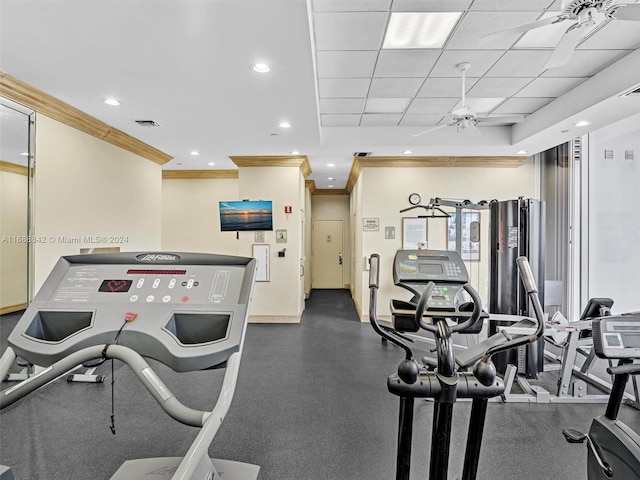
x,y
384,192
308,214
282,298
191,218
89,193
13,254
336,207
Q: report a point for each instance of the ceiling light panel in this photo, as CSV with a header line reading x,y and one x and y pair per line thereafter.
x,y
432,105
343,88
394,87
522,106
430,5
349,30
549,87
419,29
535,5
475,25
340,120
498,87
351,5
380,120
346,64
444,87
386,105
482,60
342,105
405,63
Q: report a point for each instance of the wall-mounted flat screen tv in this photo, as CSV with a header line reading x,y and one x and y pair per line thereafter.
x,y
246,215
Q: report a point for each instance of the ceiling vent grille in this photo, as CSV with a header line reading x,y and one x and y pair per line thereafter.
x,y
147,123
361,154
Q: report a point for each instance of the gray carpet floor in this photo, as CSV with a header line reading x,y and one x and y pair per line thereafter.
x,y
310,403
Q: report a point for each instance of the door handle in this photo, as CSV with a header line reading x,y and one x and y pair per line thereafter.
x,y
340,258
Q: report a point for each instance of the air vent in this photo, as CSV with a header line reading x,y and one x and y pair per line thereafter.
x,y
147,123
361,154
635,91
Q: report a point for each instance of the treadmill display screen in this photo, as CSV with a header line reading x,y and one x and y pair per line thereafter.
x,y
115,286
433,268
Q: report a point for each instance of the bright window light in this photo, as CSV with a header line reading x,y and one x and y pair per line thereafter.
x,y
419,30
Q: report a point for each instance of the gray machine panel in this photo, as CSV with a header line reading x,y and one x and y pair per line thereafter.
x,y
617,336
190,309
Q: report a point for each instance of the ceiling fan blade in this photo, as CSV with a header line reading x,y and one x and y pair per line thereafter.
x,y
429,130
628,12
563,51
500,120
510,32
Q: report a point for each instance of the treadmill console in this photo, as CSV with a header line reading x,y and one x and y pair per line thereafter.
x,y
617,336
414,269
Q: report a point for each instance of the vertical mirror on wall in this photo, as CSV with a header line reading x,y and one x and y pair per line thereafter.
x,y
16,182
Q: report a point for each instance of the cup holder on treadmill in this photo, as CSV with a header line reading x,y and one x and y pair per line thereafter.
x,y
197,328
56,325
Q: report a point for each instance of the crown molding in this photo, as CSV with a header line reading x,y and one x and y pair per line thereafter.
x,y
195,174
300,161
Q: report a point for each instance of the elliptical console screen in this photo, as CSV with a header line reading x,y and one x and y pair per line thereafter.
x,y
617,336
430,268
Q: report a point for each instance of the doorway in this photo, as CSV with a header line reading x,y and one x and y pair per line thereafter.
x,y
327,248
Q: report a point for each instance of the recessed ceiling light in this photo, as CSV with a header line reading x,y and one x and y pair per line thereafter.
x,y
25,154
295,152
330,186
331,165
331,179
564,131
284,125
211,164
260,67
582,123
419,30
521,152
407,152
178,163
111,101
195,153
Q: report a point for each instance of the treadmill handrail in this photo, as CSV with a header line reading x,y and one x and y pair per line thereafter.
x,y
165,398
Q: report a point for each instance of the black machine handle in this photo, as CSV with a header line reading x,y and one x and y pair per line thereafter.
x,y
473,318
374,279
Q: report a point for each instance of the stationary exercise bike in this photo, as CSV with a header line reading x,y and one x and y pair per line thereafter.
x,y
613,448
441,271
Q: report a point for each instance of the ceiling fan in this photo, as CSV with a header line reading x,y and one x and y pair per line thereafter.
x,y
585,14
465,118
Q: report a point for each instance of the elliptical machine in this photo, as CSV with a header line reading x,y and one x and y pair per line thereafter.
x,y
449,381
613,448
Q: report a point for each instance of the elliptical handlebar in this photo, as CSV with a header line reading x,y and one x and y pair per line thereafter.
x,y
374,279
473,318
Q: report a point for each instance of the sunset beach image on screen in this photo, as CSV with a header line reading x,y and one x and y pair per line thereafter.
x,y
249,215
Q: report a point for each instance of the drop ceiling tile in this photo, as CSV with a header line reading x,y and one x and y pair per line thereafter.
x,y
350,30
615,35
497,87
340,120
444,87
431,105
386,105
586,63
481,105
549,87
342,105
405,63
430,5
522,106
420,120
345,64
395,87
380,120
343,87
520,63
476,25
351,5
502,5
481,61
